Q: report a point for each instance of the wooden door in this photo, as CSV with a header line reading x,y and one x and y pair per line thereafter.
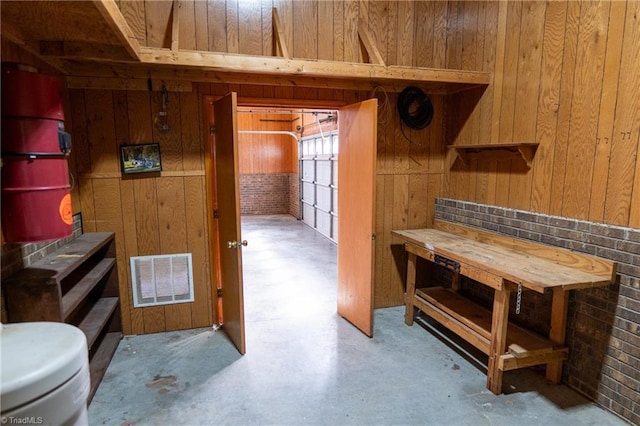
x,y
356,219
228,216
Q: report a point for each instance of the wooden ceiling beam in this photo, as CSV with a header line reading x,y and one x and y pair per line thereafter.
x,y
14,35
84,51
139,71
295,68
116,20
115,83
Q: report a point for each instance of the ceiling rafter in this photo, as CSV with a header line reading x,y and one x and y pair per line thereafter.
x,y
370,46
278,35
116,20
14,35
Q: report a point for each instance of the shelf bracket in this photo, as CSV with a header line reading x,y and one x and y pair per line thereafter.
x,y
491,152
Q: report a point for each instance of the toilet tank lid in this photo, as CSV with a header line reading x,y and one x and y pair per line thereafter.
x,y
36,358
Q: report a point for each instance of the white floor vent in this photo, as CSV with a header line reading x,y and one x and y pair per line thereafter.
x,y
161,279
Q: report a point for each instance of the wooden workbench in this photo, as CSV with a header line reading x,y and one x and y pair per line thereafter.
x,y
507,265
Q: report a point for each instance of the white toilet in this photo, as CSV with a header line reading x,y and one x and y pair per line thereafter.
x,y
44,374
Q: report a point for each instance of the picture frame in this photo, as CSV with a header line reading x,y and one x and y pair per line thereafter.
x,y
140,158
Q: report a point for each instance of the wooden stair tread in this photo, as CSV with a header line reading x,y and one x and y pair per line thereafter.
x,y
479,318
79,292
95,320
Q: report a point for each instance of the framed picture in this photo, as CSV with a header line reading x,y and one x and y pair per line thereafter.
x,y
143,158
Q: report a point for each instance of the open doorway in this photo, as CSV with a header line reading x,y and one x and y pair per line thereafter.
x,y
288,165
287,162
358,125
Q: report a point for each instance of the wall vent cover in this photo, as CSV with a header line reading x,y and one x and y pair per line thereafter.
x,y
161,279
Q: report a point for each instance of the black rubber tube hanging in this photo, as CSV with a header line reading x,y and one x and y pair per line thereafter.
x,y
415,109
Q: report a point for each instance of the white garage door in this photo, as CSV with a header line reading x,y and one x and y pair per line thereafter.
x,y
319,183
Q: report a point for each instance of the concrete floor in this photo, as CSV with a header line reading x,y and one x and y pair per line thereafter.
x,y
306,365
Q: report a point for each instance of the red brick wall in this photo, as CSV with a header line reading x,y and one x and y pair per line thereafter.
x,y
294,195
264,193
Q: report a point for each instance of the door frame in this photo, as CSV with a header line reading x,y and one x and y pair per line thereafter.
x,y
209,159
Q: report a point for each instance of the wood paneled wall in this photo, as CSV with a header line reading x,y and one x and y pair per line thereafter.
x,y
266,153
159,213
566,75
425,34
165,213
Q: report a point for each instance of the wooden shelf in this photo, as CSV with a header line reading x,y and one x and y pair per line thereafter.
x,y
76,284
79,292
94,322
69,257
501,151
477,319
101,359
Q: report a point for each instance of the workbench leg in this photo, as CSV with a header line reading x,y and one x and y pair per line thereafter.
x,y
498,338
455,281
411,289
557,334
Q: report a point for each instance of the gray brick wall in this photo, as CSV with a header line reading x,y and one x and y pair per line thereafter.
x,y
603,330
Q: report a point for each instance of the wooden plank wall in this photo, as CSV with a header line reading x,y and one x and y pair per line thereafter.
x,y
266,153
160,213
166,213
568,79
566,76
427,34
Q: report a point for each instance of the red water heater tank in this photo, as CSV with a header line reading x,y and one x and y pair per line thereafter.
x,y
36,199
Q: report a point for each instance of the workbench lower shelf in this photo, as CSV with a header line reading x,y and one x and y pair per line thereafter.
x,y
472,322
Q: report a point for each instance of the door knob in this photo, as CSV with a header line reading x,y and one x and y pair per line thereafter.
x,y
237,244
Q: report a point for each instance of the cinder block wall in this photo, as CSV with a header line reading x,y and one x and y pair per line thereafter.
x,y
264,193
603,330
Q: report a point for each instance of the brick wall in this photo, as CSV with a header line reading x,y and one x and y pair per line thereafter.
x,y
294,195
17,256
603,330
264,193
